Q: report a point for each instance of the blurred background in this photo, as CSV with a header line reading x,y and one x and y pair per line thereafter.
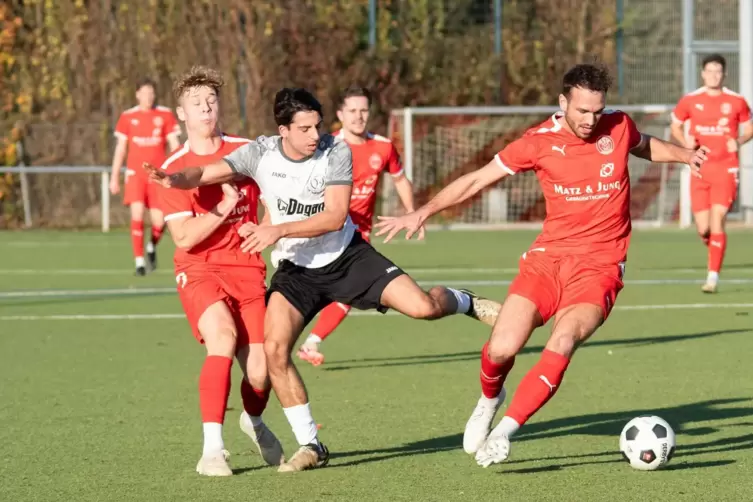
x,y
69,68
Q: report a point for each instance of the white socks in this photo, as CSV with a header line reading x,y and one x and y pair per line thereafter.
x,y
302,423
463,300
507,427
140,262
254,422
712,278
149,246
312,338
213,443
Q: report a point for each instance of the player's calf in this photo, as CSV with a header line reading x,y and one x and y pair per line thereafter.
x,y
405,296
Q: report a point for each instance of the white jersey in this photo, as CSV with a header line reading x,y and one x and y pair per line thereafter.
x,y
293,190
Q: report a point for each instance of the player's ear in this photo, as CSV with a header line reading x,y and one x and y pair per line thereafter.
x,y
283,131
563,102
340,115
181,113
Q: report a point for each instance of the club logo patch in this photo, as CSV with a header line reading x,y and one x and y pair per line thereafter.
x,y
605,145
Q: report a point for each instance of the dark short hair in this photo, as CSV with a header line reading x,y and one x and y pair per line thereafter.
x,y
593,77
714,58
146,81
290,101
355,91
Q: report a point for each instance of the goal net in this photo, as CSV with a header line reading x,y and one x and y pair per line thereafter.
x,y
439,145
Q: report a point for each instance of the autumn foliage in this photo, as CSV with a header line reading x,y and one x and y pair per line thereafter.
x,y
69,66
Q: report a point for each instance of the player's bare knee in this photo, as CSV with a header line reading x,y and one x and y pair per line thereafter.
x,y
277,354
427,306
567,337
504,344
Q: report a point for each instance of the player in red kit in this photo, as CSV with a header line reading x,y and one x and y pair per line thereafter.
x,y
372,156
573,271
143,132
221,288
715,116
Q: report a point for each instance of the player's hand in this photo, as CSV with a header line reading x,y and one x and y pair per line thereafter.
x,y
412,223
732,145
260,238
696,160
245,230
157,175
231,192
114,185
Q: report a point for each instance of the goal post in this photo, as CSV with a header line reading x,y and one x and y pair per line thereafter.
x,y
439,144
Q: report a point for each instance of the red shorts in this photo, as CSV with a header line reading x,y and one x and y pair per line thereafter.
x,y
556,282
138,188
241,288
720,190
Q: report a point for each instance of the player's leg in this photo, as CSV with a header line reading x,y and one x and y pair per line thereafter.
x,y
255,385
723,195
329,319
585,302
135,196
516,321
157,222
402,293
283,325
700,199
218,332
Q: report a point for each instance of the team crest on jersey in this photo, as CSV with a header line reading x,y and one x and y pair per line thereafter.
x,y
607,170
157,132
375,161
723,121
726,108
134,122
605,145
158,121
316,185
370,180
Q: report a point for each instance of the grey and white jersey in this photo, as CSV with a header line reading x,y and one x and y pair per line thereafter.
x,y
293,190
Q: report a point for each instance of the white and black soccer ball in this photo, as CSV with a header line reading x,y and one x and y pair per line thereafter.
x,y
647,442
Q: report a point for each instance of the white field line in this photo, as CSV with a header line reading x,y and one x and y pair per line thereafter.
x,y
412,271
45,293
357,313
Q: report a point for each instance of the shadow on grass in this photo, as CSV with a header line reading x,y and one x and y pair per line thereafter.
x,y
353,364
683,418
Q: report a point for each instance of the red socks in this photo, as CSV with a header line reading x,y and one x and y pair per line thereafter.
x,y
493,375
254,400
538,386
329,319
137,238
717,247
157,234
214,388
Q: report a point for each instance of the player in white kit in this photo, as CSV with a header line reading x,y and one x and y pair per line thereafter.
x,y
306,179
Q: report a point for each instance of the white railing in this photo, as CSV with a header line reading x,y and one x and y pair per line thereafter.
x,y
23,172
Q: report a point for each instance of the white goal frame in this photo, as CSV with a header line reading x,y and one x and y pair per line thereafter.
x,y
408,114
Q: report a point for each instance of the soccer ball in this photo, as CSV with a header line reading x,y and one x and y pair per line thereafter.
x,y
647,443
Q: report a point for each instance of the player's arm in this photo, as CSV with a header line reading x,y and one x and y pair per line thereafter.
x,y
242,161
338,187
744,117
464,188
657,150
118,158
187,230
680,115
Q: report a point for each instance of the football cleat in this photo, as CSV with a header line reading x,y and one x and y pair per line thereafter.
x,y
310,456
482,309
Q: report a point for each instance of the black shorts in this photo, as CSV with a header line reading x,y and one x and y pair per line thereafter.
x,y
356,278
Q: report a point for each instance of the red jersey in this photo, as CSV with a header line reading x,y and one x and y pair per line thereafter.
x,y
370,160
147,132
223,246
585,183
713,121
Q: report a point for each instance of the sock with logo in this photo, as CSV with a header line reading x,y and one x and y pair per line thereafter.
x,y
717,248
538,386
493,375
329,319
137,241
